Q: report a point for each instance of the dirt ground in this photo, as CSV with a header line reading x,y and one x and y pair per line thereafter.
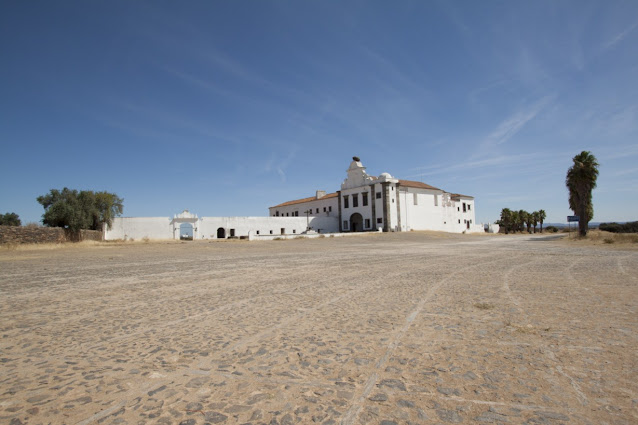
x,y
410,328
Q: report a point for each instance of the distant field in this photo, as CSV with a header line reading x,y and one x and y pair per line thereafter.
x,y
418,328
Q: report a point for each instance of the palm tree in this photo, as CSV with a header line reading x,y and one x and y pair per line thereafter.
x,y
535,219
522,219
580,181
541,216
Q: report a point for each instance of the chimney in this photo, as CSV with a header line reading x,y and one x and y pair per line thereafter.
x,y
321,194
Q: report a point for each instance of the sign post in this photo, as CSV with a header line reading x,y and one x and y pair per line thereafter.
x,y
571,219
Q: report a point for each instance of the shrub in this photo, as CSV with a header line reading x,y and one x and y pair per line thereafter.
x,y
631,227
552,229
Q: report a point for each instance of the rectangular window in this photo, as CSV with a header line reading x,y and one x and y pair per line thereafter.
x,y
367,223
232,233
330,208
364,199
436,201
416,199
355,200
294,230
317,210
283,230
324,209
277,213
464,207
257,231
378,195
469,207
379,220
345,224
346,202
271,232
296,213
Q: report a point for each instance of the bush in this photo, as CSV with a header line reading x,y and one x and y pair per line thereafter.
x,y
552,229
631,227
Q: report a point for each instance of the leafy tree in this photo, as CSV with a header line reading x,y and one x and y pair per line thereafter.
x,y
522,219
79,210
505,220
581,181
10,219
541,217
535,216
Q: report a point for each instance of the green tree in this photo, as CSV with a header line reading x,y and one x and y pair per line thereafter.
x,y
541,217
522,219
10,219
505,220
581,181
79,210
535,216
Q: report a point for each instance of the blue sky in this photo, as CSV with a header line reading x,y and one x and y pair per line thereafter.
x,y
227,108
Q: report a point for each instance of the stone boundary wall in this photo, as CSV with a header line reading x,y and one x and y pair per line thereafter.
x,y
23,235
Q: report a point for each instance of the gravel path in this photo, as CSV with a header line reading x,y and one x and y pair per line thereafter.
x,y
408,328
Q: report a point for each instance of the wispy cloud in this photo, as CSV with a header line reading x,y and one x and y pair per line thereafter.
x,y
514,123
279,165
620,36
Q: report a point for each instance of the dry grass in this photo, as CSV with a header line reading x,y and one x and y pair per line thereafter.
x,y
601,237
484,306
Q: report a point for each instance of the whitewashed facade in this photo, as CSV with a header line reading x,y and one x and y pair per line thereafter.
x,y
369,203
364,203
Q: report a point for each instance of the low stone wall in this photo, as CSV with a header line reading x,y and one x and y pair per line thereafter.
x,y
22,235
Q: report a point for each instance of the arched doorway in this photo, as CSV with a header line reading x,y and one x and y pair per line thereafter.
x,y
186,231
221,233
356,222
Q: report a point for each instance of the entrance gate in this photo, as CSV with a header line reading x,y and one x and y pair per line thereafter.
x,y
184,217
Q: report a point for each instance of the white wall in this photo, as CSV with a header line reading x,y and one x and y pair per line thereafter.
x,y
140,227
330,204
162,228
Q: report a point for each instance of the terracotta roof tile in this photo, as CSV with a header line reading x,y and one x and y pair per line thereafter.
x,y
459,196
418,185
304,200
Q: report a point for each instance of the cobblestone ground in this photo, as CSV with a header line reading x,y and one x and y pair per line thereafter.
x,y
381,329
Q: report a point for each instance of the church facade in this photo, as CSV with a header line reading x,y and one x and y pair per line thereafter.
x,y
365,203
369,203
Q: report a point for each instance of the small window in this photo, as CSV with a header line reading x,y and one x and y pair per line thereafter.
x,y
458,209
416,199
364,199
355,200
296,213
277,213
330,209
345,224
317,210
294,230
378,195
464,207
469,207
367,223
379,220
283,230
232,233
257,231
287,214
459,221
436,201
346,202
271,232
324,209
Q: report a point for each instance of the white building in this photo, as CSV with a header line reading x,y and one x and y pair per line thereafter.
x,y
367,203
364,203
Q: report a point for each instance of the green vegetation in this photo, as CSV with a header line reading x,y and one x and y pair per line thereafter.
x,y
10,219
521,220
631,227
580,181
552,229
80,210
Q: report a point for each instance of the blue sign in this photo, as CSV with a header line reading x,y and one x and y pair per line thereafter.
x,y
572,218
